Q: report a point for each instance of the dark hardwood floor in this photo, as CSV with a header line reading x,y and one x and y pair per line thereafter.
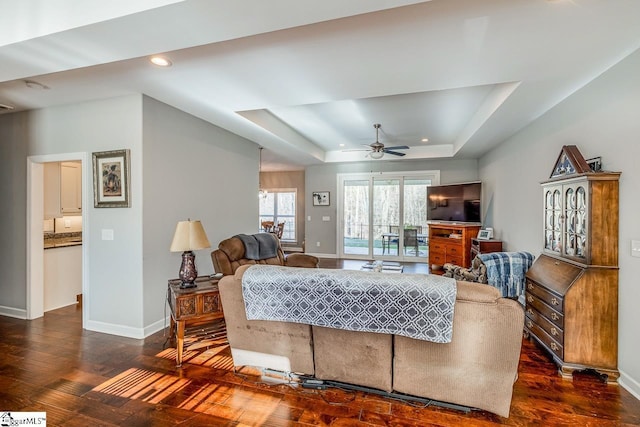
x,y
83,378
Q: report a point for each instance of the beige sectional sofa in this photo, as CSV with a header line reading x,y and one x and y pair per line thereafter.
x,y
476,369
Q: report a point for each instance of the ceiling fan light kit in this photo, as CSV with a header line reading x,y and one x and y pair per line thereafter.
x,y
376,154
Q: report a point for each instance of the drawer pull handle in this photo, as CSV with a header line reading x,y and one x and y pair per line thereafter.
x,y
529,324
530,286
554,331
554,346
554,316
530,312
530,298
554,301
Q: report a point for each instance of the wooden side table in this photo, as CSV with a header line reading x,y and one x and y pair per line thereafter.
x,y
480,246
200,304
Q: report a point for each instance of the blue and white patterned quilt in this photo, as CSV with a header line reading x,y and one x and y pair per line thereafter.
x,y
506,271
413,305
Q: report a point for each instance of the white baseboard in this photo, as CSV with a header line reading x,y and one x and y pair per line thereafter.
x,y
126,331
17,313
157,326
110,328
323,255
60,306
629,384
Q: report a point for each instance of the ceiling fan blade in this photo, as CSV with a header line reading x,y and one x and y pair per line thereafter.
x,y
356,149
395,153
397,147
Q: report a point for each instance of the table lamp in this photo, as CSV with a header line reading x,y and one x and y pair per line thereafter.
x,y
189,236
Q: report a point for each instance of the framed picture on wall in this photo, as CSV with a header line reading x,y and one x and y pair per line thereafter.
x,y
111,179
320,198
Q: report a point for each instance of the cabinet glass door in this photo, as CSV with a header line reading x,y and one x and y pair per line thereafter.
x,y
552,219
575,233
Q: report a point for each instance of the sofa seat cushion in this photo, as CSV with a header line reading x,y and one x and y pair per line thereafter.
x,y
362,358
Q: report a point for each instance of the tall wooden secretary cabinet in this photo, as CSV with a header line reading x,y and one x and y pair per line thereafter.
x,y
572,288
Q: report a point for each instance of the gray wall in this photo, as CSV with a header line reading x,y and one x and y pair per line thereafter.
x,y
13,193
290,179
324,178
182,167
192,169
601,120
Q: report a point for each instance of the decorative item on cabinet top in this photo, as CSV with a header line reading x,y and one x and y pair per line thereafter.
x,y
569,162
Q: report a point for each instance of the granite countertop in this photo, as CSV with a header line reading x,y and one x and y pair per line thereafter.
x,y
62,240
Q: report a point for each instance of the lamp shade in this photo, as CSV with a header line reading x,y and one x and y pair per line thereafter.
x,y
189,236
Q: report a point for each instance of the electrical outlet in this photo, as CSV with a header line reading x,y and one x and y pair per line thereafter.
x,y
318,244
635,248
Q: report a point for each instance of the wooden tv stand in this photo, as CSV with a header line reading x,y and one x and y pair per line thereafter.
x,y
450,243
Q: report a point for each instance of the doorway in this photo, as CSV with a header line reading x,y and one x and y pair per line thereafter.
x,y
383,215
35,229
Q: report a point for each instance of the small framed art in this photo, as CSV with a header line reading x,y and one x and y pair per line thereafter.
x,y
111,179
484,235
320,198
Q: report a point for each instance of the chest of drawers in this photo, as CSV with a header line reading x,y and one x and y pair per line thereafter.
x,y
450,243
571,310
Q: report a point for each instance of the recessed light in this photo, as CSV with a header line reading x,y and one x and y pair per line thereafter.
x,y
160,61
425,140
341,145
6,107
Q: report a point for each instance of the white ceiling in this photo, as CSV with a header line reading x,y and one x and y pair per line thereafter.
x,y
301,77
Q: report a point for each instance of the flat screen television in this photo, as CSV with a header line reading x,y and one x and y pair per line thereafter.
x,y
454,202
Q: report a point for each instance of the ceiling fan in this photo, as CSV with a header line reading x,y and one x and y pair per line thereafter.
x,y
377,149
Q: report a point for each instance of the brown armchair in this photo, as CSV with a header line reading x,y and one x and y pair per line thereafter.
x,y
231,254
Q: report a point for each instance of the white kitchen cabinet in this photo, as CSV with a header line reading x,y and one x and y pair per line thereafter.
x,y
70,188
52,190
62,276
62,189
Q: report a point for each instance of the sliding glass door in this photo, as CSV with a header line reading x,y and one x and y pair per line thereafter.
x,y
415,229
386,215
383,216
355,217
